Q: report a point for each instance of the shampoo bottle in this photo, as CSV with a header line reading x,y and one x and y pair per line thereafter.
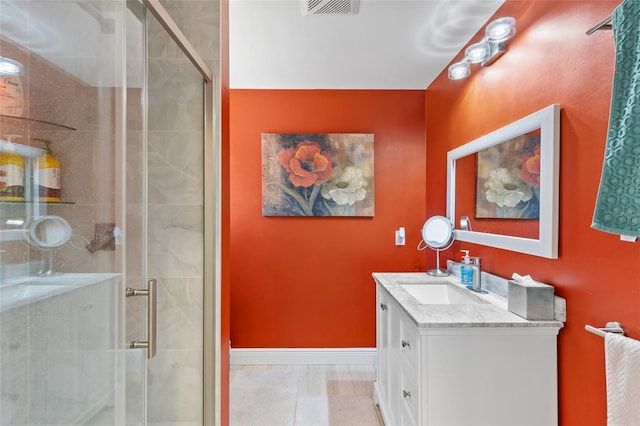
x,y
46,175
11,90
11,175
466,271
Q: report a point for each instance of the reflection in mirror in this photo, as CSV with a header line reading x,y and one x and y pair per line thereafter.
x,y
48,232
437,234
506,184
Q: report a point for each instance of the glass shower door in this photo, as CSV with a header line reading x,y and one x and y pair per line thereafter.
x,y
165,212
175,238
124,109
61,265
134,212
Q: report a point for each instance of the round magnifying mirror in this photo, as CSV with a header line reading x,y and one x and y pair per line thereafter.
x,y
48,232
437,233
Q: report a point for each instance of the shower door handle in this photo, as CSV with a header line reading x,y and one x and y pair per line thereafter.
x,y
150,343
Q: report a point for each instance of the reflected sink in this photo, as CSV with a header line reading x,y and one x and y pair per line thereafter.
x,y
441,294
18,291
24,290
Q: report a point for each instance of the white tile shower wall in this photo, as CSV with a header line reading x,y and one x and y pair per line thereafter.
x,y
180,313
175,172
175,244
200,22
86,157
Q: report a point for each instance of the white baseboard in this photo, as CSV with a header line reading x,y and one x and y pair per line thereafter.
x,y
303,356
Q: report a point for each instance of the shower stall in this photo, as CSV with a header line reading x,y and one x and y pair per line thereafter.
x,y
108,261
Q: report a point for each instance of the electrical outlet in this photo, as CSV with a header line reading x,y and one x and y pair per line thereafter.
x,y
400,236
104,239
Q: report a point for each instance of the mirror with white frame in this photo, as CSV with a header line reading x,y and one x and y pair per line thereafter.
x,y
503,186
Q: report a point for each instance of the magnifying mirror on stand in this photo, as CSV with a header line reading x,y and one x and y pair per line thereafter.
x,y
47,233
437,234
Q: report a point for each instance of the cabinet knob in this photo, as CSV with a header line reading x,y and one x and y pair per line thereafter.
x,y
406,344
383,306
406,394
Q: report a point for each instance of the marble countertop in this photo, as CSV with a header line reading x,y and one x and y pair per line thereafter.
x,y
492,314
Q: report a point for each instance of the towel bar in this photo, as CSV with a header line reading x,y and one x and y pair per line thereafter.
x,y
612,327
604,24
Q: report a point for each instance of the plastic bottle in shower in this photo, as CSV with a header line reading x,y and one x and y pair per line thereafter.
x,y
11,176
46,175
11,90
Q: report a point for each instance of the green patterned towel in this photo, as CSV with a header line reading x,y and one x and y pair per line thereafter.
x,y
618,204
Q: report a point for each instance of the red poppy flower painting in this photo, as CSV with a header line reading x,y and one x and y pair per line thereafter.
x,y
317,174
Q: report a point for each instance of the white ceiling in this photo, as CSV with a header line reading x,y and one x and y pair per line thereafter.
x,y
388,44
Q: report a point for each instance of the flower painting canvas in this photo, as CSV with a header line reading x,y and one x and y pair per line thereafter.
x,y
327,174
508,179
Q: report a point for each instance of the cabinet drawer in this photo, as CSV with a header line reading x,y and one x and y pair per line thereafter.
x,y
406,417
409,392
409,341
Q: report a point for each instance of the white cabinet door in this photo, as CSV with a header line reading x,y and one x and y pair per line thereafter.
x,y
499,378
382,343
387,386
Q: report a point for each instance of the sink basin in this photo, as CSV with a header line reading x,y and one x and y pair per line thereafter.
x,y
441,294
18,291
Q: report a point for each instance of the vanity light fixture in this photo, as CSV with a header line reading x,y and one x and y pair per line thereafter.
x,y
485,52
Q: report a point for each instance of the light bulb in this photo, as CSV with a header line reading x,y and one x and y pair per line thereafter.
x,y
477,52
501,29
459,70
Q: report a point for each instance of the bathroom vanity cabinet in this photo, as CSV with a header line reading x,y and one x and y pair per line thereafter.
x,y
467,364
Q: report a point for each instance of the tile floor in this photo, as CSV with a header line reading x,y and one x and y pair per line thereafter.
x,y
303,395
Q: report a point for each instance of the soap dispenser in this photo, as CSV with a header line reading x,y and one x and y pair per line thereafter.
x,y
46,175
466,271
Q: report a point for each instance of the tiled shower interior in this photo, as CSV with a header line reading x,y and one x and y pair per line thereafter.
x,y
57,354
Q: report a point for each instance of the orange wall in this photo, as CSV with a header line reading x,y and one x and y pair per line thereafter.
x,y
306,282
551,60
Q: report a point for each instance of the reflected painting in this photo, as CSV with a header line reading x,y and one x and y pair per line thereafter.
x,y
508,179
320,174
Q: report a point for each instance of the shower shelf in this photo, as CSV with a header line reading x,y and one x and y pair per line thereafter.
x,y
47,125
36,202
30,153
21,150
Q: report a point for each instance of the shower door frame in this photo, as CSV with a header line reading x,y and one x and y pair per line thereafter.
x,y
211,401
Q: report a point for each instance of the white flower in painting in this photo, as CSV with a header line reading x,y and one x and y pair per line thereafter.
x,y
506,189
345,187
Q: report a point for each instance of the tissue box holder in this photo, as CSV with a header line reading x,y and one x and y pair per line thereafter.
x,y
532,301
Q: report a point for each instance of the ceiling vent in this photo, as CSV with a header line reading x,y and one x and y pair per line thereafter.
x,y
329,7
